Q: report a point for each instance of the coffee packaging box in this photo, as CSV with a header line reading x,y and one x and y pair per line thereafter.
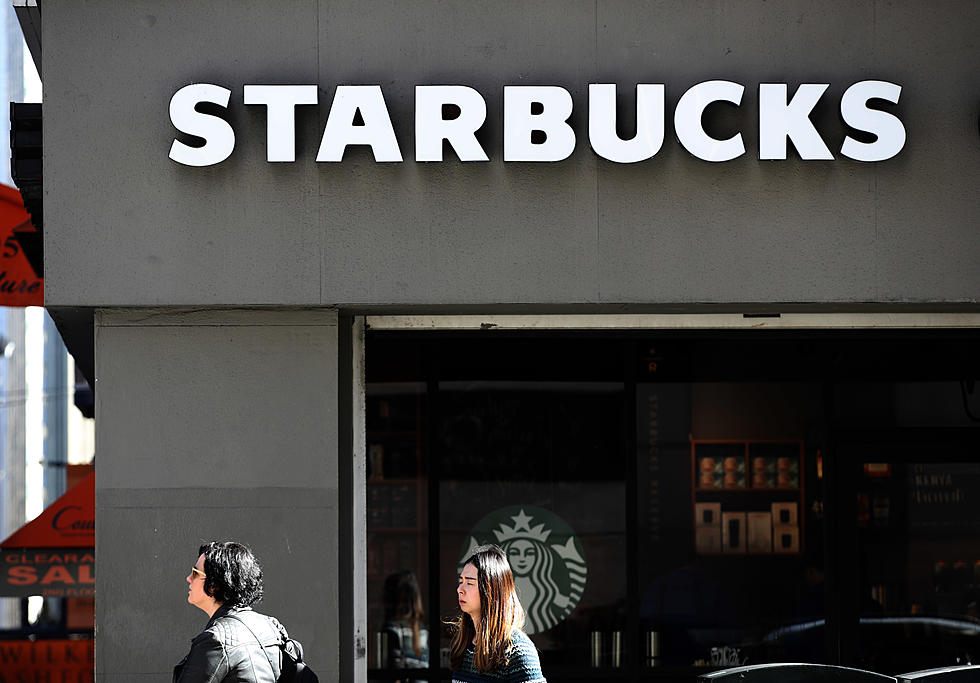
x,y
733,532
707,539
759,532
707,514
784,514
785,539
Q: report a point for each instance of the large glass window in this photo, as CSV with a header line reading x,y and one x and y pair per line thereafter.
x,y
676,504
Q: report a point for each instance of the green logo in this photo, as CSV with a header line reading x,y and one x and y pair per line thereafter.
x,y
545,555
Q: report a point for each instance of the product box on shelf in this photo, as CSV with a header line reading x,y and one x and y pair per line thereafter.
x,y
784,514
707,514
733,532
711,473
707,539
759,532
785,539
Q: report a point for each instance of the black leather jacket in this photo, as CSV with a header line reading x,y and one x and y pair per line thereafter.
x,y
226,652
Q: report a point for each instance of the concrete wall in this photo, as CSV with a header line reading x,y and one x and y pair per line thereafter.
x,y
213,426
127,226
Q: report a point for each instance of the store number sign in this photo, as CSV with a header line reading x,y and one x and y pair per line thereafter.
x,y
541,109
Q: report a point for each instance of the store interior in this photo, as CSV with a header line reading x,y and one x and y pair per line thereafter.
x,y
677,502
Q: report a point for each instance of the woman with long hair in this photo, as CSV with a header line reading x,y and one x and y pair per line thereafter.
x,y
408,639
489,645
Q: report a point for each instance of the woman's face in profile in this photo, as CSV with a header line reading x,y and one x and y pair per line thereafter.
x,y
468,592
522,555
195,589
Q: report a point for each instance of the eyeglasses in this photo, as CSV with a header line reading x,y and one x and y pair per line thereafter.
x,y
195,570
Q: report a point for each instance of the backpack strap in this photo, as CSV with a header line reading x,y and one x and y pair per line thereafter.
x,y
272,667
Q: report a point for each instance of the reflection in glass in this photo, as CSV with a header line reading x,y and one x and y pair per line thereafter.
x,y
406,641
918,524
396,519
703,546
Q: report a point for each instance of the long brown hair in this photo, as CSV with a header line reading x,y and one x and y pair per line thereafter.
x,y
500,612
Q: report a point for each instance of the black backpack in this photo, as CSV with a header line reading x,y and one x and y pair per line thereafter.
x,y
294,669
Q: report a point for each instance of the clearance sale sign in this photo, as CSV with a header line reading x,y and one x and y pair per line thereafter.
x,y
54,555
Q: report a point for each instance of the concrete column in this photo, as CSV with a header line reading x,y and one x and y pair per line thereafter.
x,y
213,424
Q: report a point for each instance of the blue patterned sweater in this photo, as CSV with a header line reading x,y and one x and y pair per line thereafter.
x,y
522,665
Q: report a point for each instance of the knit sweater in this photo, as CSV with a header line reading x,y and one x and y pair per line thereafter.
x,y
522,665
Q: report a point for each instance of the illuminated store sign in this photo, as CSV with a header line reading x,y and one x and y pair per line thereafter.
x,y
541,111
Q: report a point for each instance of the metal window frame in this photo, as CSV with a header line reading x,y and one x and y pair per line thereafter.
x,y
678,321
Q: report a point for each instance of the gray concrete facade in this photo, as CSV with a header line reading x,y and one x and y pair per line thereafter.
x,y
128,226
213,426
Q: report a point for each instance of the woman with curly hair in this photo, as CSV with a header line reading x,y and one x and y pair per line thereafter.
x,y
238,645
489,645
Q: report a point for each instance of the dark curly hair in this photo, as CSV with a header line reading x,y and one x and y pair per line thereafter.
x,y
234,576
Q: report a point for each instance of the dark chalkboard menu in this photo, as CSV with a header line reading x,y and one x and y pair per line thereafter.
x,y
944,498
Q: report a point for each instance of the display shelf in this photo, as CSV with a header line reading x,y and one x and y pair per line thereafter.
x,y
742,492
747,497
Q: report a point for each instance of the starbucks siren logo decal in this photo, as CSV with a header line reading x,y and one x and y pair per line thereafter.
x,y
545,556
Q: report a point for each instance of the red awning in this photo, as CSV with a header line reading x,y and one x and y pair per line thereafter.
x,y
68,522
54,554
19,286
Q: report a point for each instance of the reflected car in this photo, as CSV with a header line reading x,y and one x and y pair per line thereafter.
x,y
886,644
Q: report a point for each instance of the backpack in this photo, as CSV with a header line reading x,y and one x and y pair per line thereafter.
x,y
294,669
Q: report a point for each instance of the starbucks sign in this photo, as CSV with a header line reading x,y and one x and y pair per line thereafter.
x,y
545,555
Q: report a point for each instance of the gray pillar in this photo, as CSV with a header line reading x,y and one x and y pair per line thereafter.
x,y
213,425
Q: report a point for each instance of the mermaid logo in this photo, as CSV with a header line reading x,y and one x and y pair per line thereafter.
x,y
545,556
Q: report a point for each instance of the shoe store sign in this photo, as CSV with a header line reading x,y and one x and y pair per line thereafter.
x,y
535,122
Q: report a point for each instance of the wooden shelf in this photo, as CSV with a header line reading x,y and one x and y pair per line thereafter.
x,y
752,490
743,508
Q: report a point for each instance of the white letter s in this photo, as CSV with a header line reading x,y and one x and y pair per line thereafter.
x,y
219,138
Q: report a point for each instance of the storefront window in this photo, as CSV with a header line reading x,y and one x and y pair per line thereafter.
x,y
675,506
